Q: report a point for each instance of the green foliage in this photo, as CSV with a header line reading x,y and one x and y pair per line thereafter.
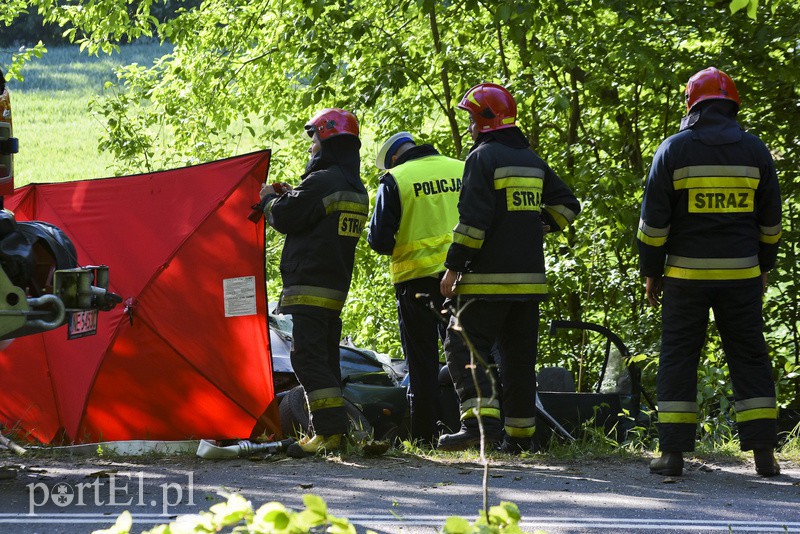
x,y
504,517
598,85
237,515
792,443
272,517
18,59
750,5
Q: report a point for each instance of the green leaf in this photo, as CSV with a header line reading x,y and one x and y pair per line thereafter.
x,y
340,526
456,525
752,9
511,511
315,503
273,515
736,5
233,511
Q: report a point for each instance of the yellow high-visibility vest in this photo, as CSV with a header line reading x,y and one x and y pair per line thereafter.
x,y
429,189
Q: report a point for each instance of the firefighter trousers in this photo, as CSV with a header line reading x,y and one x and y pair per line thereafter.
x,y
315,360
512,328
739,320
420,332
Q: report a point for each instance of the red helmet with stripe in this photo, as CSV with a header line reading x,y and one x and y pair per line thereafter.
x,y
330,122
709,84
492,107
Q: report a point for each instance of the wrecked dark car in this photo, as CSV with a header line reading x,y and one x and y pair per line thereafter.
x,y
374,387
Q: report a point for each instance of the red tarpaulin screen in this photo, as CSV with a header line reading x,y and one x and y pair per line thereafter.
x,y
189,356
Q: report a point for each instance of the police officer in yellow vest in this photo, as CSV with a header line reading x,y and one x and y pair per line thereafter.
x,y
415,212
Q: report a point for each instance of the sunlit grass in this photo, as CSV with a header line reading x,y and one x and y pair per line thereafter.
x,y
58,137
593,443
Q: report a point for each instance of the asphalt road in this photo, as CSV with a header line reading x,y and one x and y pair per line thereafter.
x,y
56,494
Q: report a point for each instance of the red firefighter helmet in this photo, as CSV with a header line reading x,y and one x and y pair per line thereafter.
x,y
708,84
330,122
491,105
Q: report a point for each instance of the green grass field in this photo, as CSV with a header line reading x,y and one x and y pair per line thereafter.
x,y
58,137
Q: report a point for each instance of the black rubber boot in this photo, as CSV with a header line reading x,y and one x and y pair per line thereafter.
x,y
469,435
669,465
766,464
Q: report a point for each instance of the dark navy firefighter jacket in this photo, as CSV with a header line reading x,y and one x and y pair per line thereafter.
x,y
508,192
322,218
711,212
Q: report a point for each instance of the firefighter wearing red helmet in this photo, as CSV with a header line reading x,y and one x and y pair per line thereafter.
x,y
496,272
708,234
710,84
491,107
323,218
331,122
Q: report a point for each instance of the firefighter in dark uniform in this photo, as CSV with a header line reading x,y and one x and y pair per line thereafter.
x,y
496,272
322,218
415,212
708,235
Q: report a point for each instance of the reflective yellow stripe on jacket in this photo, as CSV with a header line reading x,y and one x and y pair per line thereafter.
x,y
770,234
353,209
523,187
346,201
718,188
712,268
502,284
562,215
469,236
650,235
